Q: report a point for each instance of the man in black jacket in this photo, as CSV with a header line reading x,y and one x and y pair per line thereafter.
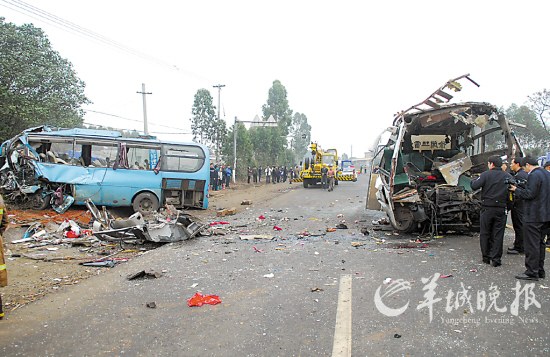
x,y
546,232
518,206
494,195
537,217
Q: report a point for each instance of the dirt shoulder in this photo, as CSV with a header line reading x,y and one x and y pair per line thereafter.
x,y
38,269
234,196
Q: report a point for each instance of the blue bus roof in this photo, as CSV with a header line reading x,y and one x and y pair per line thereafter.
x,y
98,133
86,132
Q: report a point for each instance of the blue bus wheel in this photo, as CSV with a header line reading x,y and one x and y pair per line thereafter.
x,y
145,203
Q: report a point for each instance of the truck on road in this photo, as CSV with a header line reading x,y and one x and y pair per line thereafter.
x,y
314,161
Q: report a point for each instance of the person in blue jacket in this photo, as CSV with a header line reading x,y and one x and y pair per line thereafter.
x,y
227,176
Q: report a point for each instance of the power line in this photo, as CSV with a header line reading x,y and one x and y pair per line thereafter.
x,y
65,25
152,132
58,22
164,132
134,120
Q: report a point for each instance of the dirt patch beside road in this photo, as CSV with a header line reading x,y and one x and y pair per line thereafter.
x,y
56,266
240,192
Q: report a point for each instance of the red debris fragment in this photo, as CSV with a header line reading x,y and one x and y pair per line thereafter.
x,y
218,222
71,234
277,228
257,250
446,276
261,217
199,299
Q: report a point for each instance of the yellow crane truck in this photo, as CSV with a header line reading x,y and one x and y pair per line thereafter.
x,y
314,161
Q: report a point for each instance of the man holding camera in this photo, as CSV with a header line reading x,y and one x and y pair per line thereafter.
x,y
494,196
537,218
518,206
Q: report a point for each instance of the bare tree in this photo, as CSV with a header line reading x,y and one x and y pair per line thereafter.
x,y
540,104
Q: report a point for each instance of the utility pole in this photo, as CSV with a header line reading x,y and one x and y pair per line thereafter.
x,y
144,93
234,150
219,86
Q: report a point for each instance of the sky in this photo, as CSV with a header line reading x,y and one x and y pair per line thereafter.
x,y
349,66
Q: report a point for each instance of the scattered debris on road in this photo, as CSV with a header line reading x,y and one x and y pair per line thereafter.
x,y
226,212
148,273
198,300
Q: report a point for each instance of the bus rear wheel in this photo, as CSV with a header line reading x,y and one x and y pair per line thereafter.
x,y
145,203
39,201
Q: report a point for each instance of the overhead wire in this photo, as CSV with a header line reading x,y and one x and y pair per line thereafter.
x,y
137,121
63,24
58,22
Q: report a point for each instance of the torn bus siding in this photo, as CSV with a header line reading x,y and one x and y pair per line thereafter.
x,y
424,166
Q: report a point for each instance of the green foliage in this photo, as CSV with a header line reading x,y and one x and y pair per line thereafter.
x,y
267,146
260,139
244,150
533,138
277,105
217,135
204,114
37,85
205,126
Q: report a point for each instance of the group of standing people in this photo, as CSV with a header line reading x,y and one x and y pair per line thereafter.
x,y
220,177
526,192
272,174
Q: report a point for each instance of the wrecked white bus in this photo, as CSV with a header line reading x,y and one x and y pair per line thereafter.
x,y
42,167
423,164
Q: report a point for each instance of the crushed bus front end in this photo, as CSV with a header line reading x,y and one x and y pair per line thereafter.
x,y
423,165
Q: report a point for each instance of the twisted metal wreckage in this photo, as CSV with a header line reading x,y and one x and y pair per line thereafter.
x,y
24,185
423,164
41,167
172,226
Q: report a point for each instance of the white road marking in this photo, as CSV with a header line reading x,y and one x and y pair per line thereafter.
x,y
342,331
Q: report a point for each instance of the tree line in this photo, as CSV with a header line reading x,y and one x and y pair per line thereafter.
x,y
40,87
258,145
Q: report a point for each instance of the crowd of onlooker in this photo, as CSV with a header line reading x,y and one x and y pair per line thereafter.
x,y
272,174
220,175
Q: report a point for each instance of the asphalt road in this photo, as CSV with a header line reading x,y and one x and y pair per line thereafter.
x,y
307,292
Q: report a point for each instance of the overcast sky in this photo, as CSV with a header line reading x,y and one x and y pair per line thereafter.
x,y
347,65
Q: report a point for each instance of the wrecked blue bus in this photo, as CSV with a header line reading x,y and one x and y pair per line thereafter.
x,y
42,167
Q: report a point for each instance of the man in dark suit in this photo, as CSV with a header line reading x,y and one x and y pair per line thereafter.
x,y
537,217
494,196
546,232
518,206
